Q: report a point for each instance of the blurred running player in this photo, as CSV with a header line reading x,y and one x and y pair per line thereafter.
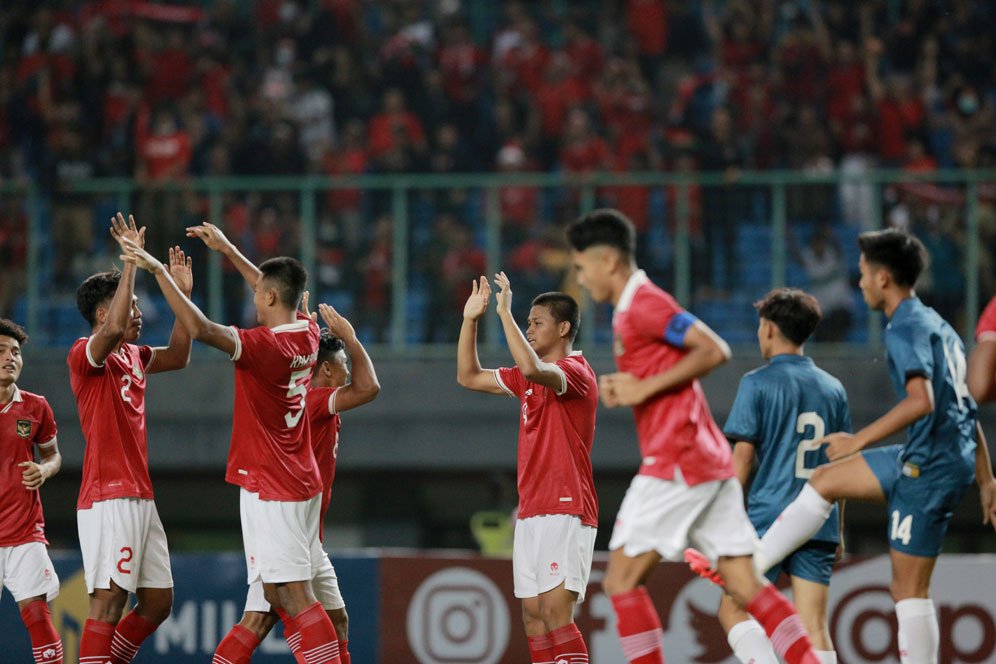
x,y
331,393
558,509
121,536
26,422
685,492
982,387
270,457
779,415
923,480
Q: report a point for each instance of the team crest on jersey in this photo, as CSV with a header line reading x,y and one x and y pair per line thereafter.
x,y
136,371
24,428
617,344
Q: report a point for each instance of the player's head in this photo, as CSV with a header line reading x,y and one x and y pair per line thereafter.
x,y
280,286
12,337
891,260
553,319
787,315
332,366
603,243
93,299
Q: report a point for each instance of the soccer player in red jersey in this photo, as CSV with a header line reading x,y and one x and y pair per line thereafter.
x,y
685,492
121,537
331,393
558,508
270,456
982,387
26,422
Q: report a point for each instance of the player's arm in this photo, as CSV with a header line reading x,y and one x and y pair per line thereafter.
x,y
532,367
982,371
363,386
743,460
176,355
469,371
918,403
984,476
215,240
33,474
198,326
112,331
706,351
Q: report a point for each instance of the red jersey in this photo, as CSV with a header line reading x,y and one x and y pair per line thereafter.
x,y
271,451
986,328
556,432
24,423
675,428
110,398
325,425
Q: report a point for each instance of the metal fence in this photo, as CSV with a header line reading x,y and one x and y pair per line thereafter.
x,y
396,252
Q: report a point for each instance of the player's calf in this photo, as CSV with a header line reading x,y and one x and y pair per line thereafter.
x,y
46,646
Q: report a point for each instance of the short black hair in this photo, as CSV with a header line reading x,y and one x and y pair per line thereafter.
x,y
94,291
289,278
794,312
9,328
899,252
604,226
562,307
328,345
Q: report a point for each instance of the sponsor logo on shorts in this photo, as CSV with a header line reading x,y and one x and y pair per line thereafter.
x,y
911,470
24,428
47,574
554,567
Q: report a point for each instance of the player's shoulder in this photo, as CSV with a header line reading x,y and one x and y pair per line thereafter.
x,y
648,291
32,399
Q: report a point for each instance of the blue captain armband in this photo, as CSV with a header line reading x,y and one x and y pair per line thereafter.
x,y
677,327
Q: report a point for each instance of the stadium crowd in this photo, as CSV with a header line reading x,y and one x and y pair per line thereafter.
x,y
162,92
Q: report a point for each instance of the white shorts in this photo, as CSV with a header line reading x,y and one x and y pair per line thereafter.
x,y
281,539
551,549
122,540
27,571
667,516
325,586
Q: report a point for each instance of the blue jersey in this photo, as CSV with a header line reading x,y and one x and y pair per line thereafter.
x,y
918,342
784,409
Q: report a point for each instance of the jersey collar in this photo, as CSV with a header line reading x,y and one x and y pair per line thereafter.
x,y
296,326
636,280
904,307
789,357
17,398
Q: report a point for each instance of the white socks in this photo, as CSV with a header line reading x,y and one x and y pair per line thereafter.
x,y
795,526
826,656
919,636
750,644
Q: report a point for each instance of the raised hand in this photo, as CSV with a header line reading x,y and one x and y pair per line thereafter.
x,y
503,299
210,234
127,230
313,315
181,271
477,303
337,324
139,257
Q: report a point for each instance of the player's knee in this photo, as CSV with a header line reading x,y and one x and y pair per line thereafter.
x,y
616,584
158,609
556,615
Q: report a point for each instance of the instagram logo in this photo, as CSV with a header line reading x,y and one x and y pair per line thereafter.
x,y
458,615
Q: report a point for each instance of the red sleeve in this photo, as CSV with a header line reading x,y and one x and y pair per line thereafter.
x,y
47,429
511,380
986,329
320,403
578,376
145,355
651,316
248,343
79,362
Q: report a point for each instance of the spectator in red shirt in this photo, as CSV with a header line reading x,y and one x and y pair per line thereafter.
x,y
518,204
582,150
164,153
171,70
561,91
393,120
646,21
350,158
586,55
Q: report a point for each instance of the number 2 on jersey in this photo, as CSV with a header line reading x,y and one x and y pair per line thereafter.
x,y
126,379
296,388
808,444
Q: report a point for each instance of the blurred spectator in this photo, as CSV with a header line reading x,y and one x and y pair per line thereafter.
x,y
164,153
373,288
395,126
517,204
313,115
346,204
826,270
646,21
72,213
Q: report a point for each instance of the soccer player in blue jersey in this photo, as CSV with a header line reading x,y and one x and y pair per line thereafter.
x,y
921,481
780,414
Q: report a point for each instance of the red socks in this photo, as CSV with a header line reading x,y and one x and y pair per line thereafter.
x,y
95,642
541,649
568,646
319,644
46,646
343,651
291,635
236,647
131,631
639,627
783,626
